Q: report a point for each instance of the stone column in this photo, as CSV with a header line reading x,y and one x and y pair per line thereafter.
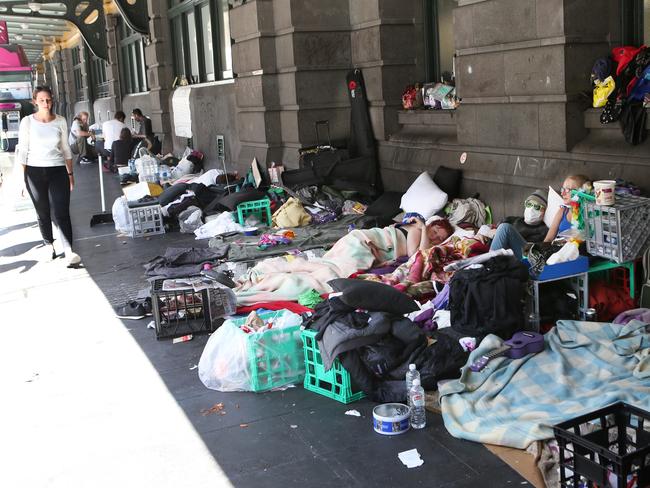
x,y
313,57
384,46
521,67
113,65
159,69
256,82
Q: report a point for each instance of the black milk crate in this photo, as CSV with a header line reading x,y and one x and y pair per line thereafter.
x,y
605,448
186,311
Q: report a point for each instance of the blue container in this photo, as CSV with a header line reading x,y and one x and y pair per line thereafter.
x,y
391,418
560,270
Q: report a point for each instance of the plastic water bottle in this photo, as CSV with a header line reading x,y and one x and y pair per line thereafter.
x,y
132,166
418,413
411,374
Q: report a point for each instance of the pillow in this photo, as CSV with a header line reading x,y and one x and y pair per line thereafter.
x,y
448,180
373,296
230,202
424,197
387,205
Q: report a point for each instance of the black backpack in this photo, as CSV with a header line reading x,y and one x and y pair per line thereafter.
x,y
489,299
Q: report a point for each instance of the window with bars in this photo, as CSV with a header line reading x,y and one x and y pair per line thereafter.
x,y
77,75
98,74
200,31
133,69
439,39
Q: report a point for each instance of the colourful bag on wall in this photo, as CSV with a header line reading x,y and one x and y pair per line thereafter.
x,y
602,91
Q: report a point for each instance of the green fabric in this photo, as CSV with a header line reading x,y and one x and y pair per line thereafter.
x,y
310,298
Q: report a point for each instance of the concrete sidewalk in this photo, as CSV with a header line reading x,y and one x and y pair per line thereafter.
x,y
93,401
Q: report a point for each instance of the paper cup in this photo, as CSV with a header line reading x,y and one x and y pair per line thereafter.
x,y
604,190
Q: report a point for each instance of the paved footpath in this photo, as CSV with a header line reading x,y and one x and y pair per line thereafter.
x,y
81,405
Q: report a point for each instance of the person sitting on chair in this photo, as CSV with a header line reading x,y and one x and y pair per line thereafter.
x,y
145,129
79,132
121,150
111,130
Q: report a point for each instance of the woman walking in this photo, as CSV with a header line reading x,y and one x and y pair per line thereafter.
x,y
45,154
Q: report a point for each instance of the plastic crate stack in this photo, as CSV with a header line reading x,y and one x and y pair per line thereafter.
x,y
335,383
146,221
608,447
619,232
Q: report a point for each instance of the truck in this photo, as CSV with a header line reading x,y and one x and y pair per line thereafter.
x,y
16,83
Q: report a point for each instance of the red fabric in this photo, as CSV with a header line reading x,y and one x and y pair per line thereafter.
x,y
623,55
294,307
608,300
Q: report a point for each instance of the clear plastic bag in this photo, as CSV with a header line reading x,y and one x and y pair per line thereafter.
x,y
120,211
190,219
224,364
234,360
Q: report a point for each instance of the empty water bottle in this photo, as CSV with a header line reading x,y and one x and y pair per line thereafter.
x,y
411,374
418,412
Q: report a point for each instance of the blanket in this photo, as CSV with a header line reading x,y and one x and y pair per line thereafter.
x,y
286,277
585,366
416,276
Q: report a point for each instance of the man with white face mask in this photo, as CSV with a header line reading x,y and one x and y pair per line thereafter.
x,y
515,232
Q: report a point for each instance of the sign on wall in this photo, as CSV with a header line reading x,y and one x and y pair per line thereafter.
x,y
182,112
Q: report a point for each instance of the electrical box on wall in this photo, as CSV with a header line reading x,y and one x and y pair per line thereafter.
x,y
221,148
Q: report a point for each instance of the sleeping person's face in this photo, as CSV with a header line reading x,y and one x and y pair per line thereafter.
x,y
437,234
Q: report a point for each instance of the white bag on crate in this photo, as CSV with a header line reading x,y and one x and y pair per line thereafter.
x,y
121,216
225,361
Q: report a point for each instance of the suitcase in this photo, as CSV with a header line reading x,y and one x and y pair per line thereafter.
x,y
322,158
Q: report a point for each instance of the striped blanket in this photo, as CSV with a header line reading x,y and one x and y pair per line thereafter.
x,y
585,366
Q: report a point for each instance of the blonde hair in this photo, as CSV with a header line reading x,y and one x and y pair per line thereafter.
x,y
578,179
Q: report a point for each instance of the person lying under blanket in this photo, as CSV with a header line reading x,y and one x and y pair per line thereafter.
x,y
285,279
416,276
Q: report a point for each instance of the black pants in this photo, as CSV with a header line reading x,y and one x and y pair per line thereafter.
x,y
49,189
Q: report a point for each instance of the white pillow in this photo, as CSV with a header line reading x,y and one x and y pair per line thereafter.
x,y
424,197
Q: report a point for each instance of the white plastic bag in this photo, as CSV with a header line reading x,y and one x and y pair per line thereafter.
x,y
224,363
221,225
190,219
121,216
568,252
184,167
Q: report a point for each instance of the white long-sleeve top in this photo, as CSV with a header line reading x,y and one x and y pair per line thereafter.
x,y
43,144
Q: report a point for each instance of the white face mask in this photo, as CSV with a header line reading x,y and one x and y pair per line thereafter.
x,y
533,216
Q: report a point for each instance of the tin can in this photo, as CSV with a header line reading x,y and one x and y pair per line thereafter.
x,y
184,338
590,315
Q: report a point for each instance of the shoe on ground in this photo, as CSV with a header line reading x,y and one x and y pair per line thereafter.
x,y
86,160
72,258
132,310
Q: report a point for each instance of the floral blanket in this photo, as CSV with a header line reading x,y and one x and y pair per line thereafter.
x,y
416,276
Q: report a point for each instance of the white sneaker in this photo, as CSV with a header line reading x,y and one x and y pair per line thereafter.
x,y
72,258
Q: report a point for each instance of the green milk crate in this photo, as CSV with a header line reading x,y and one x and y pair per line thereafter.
x,y
275,356
261,208
335,383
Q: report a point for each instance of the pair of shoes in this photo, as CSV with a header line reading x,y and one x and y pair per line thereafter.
x,y
132,310
86,160
73,259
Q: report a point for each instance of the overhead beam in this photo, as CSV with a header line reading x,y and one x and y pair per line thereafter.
x,y
136,15
86,15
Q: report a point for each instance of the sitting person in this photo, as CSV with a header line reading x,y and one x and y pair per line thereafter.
x,y
509,237
79,133
562,219
515,232
121,149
